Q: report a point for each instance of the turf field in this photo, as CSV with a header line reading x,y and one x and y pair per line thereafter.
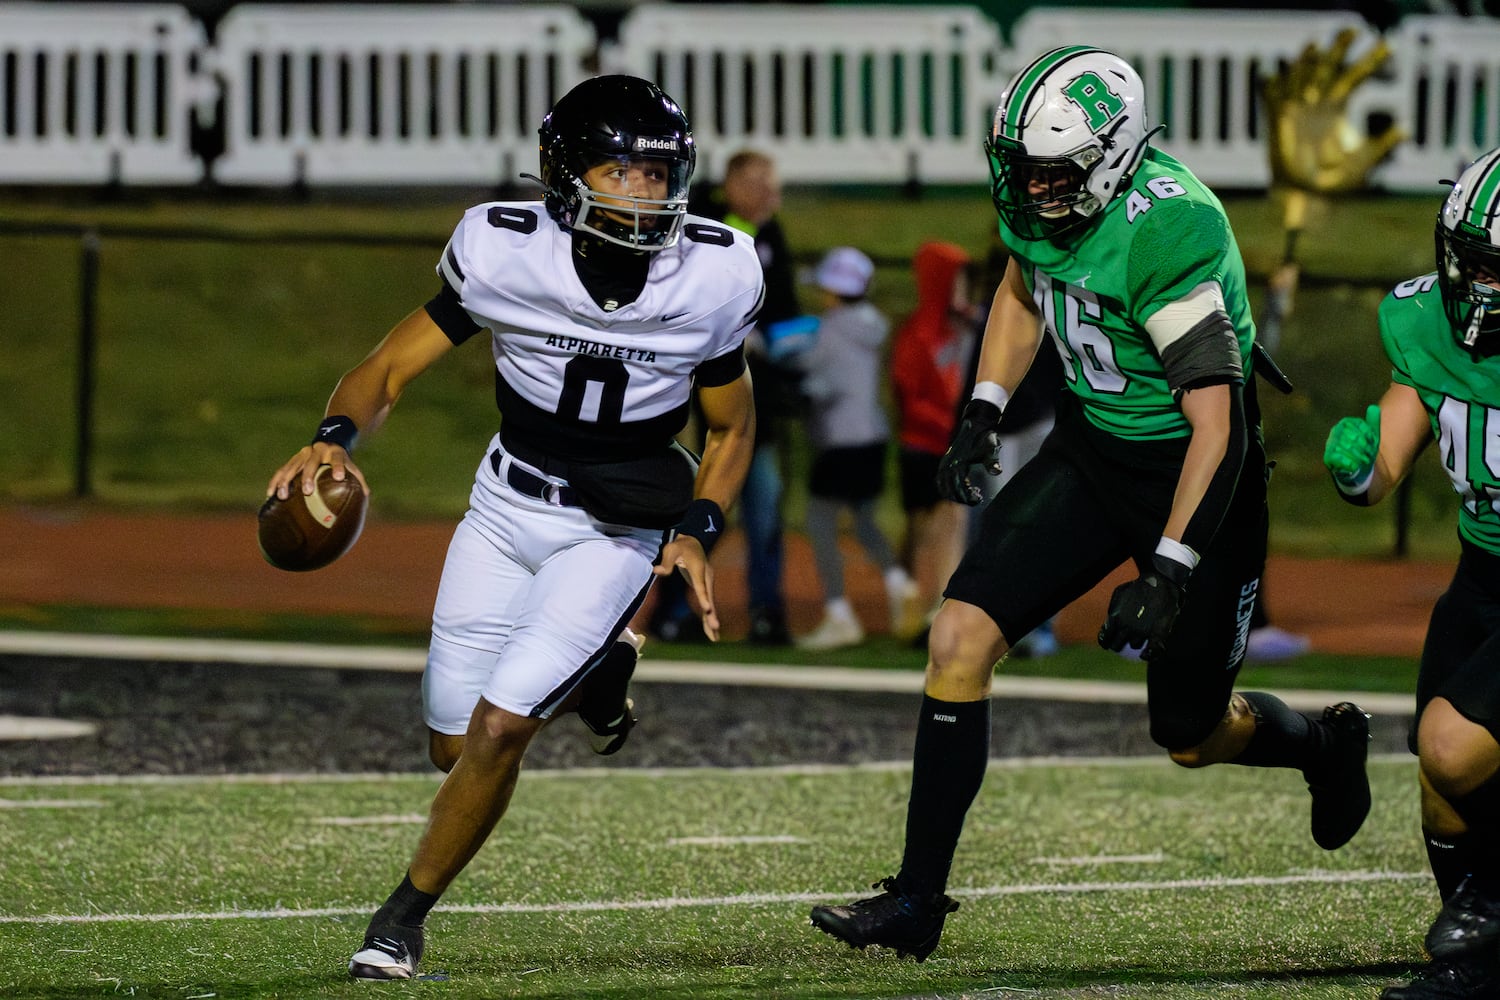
x,y
1124,879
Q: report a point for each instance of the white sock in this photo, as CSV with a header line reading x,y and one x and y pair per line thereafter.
x,y
896,580
840,608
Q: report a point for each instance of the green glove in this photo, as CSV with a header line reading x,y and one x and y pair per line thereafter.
x,y
1351,449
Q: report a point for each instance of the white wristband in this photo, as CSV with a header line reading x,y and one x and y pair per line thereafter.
x,y
1358,489
992,392
1174,550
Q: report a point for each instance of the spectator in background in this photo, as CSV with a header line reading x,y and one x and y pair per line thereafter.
x,y
929,362
849,435
748,200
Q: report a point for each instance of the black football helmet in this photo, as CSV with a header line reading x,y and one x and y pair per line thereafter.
x,y
1468,255
621,118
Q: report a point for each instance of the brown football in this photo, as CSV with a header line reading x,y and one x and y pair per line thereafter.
x,y
309,532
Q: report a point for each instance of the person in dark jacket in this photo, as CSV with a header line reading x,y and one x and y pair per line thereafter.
x,y
748,199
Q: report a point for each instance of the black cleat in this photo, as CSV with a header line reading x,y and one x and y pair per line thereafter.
x,y
1450,980
1340,788
1468,924
606,708
891,920
389,953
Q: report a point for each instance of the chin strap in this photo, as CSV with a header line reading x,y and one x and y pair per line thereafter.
x,y
1471,335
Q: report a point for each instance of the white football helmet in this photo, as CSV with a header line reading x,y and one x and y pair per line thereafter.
x,y
1069,131
1468,254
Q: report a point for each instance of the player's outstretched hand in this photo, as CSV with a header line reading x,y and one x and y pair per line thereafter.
x,y
302,468
1352,446
975,443
1141,614
684,554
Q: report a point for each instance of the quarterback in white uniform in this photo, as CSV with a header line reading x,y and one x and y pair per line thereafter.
x,y
608,308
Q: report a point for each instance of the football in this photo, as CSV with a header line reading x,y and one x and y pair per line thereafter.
x,y
309,532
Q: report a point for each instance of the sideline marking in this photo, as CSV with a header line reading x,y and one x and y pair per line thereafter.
x,y
51,804
748,899
777,838
387,658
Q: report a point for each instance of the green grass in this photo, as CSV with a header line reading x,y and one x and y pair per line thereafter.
x,y
1130,880
215,359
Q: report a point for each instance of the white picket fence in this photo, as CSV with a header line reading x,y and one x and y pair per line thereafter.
x,y
835,94
99,93
388,94
326,94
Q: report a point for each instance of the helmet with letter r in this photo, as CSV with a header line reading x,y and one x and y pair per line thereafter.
x,y
629,124
1069,131
1468,255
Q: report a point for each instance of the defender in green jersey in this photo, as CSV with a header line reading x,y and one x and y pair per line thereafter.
x,y
1442,334
1126,263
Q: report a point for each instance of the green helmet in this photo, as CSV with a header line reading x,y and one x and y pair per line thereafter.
x,y
1468,254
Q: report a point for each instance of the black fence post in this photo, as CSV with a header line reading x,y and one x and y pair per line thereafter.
x,y
1403,518
88,307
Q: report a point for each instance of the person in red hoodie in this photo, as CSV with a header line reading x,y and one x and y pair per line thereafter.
x,y
929,364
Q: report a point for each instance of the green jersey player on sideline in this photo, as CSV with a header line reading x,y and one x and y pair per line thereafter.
x,y
1442,334
1124,263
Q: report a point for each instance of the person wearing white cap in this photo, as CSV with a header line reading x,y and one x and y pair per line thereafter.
x,y
850,436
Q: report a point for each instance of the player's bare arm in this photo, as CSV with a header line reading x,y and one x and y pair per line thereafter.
x,y
729,418
1404,431
1208,410
1012,332
1368,456
365,396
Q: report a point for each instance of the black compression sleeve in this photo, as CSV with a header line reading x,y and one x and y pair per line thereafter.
x,y
721,370
448,312
1204,523
1208,354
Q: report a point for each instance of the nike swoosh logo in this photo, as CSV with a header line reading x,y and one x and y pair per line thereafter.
x,y
669,317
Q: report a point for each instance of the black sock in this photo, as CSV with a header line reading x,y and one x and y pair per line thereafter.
x,y
1283,738
953,748
407,906
1452,859
1480,811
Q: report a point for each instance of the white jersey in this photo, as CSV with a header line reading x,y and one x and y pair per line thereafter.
x,y
577,380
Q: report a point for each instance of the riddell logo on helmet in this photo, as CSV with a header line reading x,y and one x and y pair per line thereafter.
x,y
642,143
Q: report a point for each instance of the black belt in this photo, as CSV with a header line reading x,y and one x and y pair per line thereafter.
x,y
535,486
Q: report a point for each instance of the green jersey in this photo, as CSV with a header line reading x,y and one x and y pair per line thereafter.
x,y
1163,236
1461,393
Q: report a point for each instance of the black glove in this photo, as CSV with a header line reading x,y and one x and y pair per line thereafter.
x,y
1142,612
976,442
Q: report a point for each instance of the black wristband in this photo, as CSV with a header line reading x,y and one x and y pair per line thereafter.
x,y
703,520
339,430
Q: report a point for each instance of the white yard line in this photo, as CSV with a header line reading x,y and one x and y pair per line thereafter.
x,y
287,654
751,899
747,839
